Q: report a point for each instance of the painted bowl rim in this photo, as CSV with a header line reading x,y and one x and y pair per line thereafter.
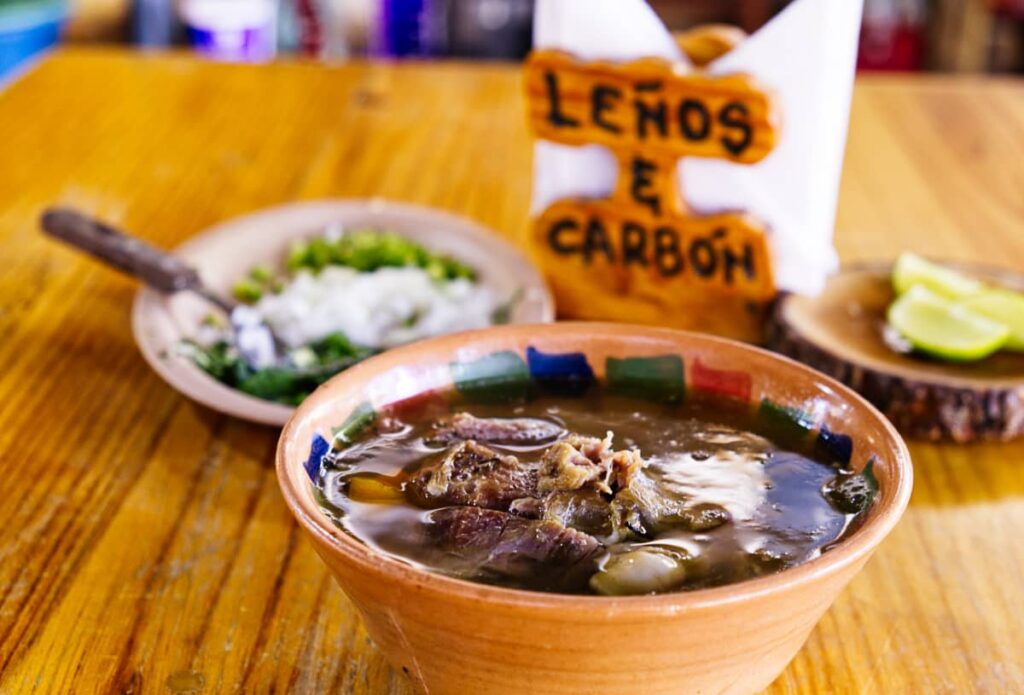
x,y
858,546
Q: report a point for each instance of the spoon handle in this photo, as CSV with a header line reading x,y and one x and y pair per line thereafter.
x,y
156,268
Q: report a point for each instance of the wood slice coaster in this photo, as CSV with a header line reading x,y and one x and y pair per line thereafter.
x,y
840,334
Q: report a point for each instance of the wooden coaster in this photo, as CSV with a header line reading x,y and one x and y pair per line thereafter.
x,y
840,333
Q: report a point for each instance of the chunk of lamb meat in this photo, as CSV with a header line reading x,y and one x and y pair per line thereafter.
x,y
646,506
579,461
507,431
584,510
472,474
499,545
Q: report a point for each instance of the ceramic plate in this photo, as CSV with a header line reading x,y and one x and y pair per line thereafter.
x,y
229,250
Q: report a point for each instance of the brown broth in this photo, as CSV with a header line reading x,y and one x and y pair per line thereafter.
x,y
706,452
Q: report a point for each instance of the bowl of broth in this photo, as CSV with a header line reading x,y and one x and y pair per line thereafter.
x,y
582,507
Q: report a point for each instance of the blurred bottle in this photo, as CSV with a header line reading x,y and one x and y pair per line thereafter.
x,y
462,28
892,35
410,28
500,29
154,22
233,30
313,28
335,28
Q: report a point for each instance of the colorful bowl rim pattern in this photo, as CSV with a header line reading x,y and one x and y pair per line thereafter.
x,y
508,376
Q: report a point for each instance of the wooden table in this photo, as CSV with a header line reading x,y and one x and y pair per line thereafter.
x,y
144,546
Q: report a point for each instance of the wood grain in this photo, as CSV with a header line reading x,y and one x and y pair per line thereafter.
x,y
144,546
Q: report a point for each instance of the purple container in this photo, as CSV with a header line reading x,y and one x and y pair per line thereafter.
x,y
232,30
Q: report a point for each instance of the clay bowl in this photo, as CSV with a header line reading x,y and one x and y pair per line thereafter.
x,y
453,636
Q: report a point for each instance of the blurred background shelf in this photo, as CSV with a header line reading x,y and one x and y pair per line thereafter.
x,y
905,35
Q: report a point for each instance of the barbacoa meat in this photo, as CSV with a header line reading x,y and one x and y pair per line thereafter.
x,y
499,544
584,510
473,474
580,462
500,431
507,517
645,507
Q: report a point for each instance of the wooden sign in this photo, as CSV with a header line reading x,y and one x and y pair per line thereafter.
x,y
641,255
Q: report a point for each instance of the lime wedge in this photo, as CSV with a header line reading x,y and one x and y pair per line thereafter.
x,y
1003,306
911,269
943,328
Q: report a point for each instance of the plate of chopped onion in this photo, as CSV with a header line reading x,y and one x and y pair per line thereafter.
x,y
328,283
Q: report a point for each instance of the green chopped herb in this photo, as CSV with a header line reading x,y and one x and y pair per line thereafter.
x,y
247,291
368,250
337,347
261,274
411,320
296,256
273,384
289,385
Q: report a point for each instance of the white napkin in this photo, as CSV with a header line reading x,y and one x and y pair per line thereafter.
x,y
807,55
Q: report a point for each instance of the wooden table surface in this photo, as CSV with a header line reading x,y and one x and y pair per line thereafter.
x,y
144,546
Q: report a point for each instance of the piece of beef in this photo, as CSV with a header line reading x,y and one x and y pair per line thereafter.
x,y
584,510
528,548
564,467
472,474
467,531
579,461
645,507
501,431
527,507
500,545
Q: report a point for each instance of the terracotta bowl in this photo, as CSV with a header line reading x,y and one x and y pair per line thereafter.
x,y
453,636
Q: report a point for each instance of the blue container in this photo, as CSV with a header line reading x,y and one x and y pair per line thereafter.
x,y
410,28
402,27
26,29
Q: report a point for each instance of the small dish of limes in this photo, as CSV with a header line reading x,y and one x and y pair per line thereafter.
x,y
949,315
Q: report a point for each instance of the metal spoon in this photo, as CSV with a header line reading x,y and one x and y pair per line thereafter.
x,y
165,273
